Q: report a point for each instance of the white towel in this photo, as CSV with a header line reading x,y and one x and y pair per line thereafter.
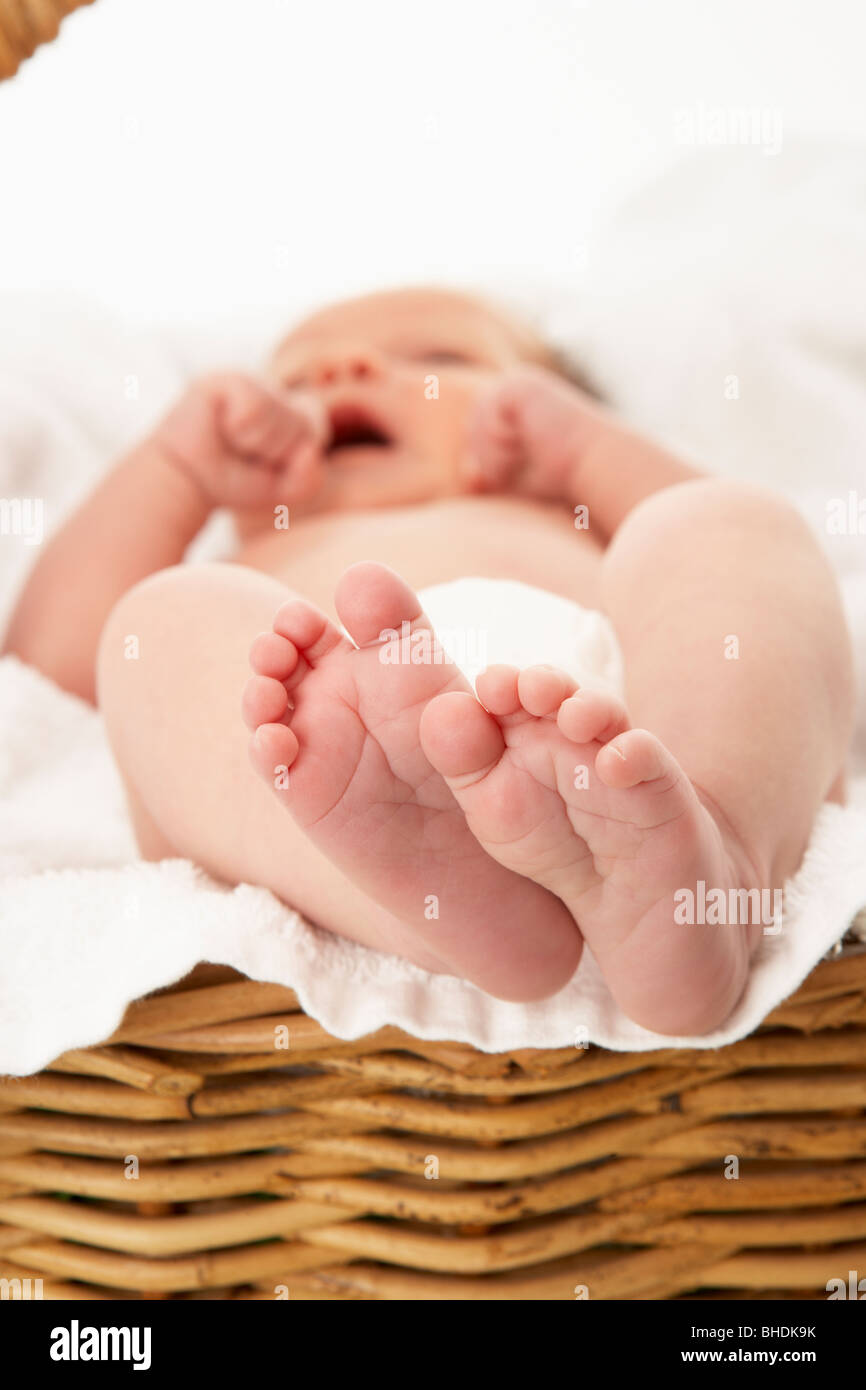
x,y
701,283
84,928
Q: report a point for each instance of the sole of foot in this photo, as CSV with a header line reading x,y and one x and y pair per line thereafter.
x,y
335,732
557,786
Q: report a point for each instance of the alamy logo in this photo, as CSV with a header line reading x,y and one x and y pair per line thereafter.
x,y
465,646
846,516
24,517
76,1343
760,126
21,1290
855,1287
723,907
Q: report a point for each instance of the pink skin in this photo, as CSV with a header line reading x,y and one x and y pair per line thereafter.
x,y
246,444
344,432
527,434
535,434
412,787
556,785
344,725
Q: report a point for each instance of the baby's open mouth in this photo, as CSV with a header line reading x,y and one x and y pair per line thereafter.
x,y
354,426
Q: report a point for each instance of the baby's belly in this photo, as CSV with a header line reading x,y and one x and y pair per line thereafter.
x,y
497,538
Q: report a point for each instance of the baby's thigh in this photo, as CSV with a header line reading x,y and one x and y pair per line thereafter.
x,y
172,668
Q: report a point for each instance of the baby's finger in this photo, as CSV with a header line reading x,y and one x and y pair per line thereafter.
x,y
493,454
258,422
310,415
303,470
490,472
284,432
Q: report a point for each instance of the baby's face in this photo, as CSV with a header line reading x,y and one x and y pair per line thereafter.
x,y
398,373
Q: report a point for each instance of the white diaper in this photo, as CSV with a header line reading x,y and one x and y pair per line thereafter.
x,y
484,622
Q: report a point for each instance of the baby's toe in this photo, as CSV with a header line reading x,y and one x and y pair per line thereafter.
x,y
373,600
590,716
542,689
308,629
460,739
273,749
264,701
636,756
497,690
273,655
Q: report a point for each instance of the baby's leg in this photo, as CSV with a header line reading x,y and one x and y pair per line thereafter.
x,y
173,663
737,656
738,659
738,669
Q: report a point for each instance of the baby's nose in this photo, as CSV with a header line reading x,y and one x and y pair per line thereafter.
x,y
348,362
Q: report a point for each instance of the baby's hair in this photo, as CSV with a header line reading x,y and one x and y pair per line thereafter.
x,y
564,366
538,349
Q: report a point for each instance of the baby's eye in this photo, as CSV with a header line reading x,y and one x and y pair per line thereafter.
x,y
441,355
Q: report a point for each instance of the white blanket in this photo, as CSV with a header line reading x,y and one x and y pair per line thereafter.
x,y
726,313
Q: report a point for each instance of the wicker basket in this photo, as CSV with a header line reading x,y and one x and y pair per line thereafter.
x,y
25,24
186,1159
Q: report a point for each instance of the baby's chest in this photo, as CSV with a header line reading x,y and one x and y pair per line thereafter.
x,y
495,538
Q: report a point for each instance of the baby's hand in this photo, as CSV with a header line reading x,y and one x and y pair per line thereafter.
x,y
528,434
246,444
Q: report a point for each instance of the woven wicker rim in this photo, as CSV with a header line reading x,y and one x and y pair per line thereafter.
x,y
557,1168
26,24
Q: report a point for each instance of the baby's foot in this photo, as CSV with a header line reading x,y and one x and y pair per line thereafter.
x,y
556,785
336,735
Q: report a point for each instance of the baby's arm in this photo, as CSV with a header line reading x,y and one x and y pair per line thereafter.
x,y
141,518
536,434
230,441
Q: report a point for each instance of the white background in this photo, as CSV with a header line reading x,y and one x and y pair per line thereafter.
x,y
183,157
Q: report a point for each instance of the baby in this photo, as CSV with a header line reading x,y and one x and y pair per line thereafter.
x,y
414,437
